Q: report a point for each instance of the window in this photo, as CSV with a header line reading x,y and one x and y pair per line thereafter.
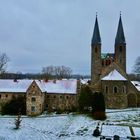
x,y
6,95
102,62
54,96
33,92
96,49
115,89
33,99
124,89
106,62
33,108
120,48
48,96
109,62
106,89
120,61
67,97
60,97
0,96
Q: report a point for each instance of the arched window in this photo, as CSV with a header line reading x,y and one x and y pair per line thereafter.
x,y
96,49
120,61
102,62
120,48
115,89
109,62
106,63
106,89
124,89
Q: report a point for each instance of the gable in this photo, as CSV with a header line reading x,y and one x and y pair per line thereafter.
x,y
114,75
34,89
111,68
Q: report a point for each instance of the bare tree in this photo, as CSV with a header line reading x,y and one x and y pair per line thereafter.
x,y
58,72
3,62
137,66
48,72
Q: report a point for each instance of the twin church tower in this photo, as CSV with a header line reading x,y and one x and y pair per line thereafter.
x,y
100,61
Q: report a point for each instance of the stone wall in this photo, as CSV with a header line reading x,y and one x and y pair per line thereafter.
x,y
7,96
115,98
95,63
34,100
62,102
133,96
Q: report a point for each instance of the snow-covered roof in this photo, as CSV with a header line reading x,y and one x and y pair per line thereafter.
x,y
114,75
84,81
61,86
136,84
14,86
50,86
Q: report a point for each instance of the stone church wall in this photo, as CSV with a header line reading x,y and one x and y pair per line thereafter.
x,y
115,98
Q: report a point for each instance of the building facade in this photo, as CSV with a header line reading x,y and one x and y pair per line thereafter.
x,y
51,95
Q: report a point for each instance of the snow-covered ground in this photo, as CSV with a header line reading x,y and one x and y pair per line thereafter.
x,y
70,127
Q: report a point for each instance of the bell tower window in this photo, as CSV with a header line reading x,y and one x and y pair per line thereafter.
x,y
120,48
96,49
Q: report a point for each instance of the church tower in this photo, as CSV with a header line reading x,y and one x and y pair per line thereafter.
x,y
95,54
120,46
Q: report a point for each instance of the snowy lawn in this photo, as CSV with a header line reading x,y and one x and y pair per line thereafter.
x,y
69,127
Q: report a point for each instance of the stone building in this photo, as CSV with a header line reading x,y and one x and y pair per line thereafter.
x,y
108,72
41,95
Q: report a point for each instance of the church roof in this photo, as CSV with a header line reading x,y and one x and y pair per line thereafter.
x,y
96,39
136,84
114,75
120,38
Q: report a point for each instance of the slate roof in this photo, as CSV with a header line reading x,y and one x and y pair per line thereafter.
x,y
96,39
120,38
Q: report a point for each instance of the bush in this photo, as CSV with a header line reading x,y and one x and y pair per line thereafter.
x,y
98,106
14,106
85,98
99,115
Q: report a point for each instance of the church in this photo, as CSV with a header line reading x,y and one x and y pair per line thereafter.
x,y
108,72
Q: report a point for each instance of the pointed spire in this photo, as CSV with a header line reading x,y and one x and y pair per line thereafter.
x,y
120,38
96,39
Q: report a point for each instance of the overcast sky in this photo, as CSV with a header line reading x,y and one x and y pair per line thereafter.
x,y
39,33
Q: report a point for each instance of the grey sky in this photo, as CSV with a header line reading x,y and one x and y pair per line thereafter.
x,y
38,33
